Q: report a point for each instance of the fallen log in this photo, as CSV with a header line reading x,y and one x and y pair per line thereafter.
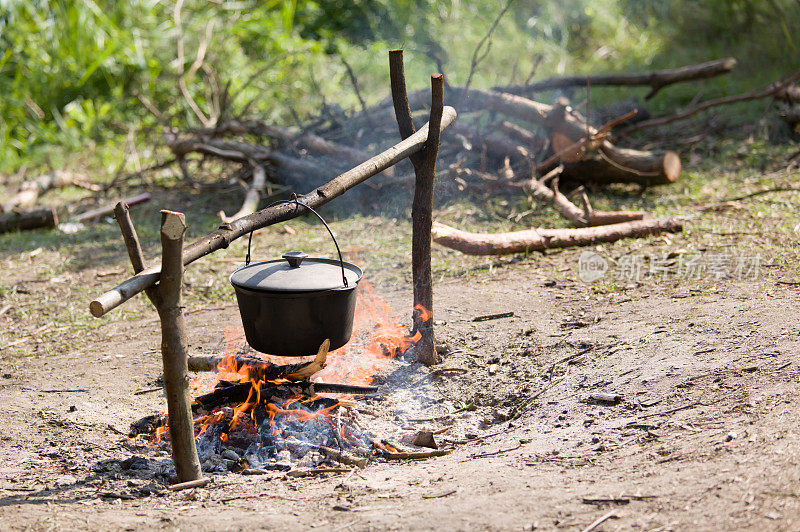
x,y
45,218
610,164
541,239
656,80
227,233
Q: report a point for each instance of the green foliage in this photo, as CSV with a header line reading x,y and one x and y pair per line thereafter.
x,y
74,73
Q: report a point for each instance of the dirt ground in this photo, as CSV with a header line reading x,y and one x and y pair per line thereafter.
x,y
705,437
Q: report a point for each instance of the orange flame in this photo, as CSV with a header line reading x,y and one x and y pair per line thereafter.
x,y
377,338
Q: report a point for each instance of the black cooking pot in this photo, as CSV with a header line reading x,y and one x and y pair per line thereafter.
x,y
289,306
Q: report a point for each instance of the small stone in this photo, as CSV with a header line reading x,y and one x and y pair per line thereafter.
x,y
492,369
230,454
731,436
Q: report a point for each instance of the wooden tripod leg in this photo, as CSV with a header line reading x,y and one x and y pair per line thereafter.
x,y
173,348
422,207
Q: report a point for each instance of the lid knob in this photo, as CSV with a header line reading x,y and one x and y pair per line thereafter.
x,y
294,258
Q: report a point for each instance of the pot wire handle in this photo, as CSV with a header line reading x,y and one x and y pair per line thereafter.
x,y
295,201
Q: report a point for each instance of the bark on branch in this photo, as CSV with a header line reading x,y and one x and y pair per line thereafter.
x,y
173,348
541,239
779,90
422,208
656,80
586,217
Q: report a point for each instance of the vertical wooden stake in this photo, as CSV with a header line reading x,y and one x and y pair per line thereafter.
x,y
422,208
122,214
173,348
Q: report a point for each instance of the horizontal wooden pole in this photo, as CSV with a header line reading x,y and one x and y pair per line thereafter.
x,y
229,232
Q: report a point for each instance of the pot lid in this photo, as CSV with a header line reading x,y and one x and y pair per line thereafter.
x,y
296,272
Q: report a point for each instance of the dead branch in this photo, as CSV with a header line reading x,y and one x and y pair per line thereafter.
x,y
581,218
656,80
253,195
520,134
772,90
107,210
227,233
477,56
30,190
541,239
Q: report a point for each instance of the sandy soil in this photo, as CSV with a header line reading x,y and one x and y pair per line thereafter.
x,y
705,438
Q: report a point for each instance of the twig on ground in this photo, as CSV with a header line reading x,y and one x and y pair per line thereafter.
x,y
488,317
495,453
199,483
599,521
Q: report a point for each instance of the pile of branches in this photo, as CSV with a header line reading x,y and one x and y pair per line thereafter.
x,y
503,139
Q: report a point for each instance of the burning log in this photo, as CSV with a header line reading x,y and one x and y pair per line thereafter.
x,y
173,348
541,239
227,233
212,363
656,80
238,393
422,208
343,457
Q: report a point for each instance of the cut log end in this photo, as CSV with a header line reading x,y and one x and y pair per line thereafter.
x,y
174,224
96,308
672,166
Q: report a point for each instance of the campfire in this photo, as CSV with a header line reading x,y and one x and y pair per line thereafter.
x,y
264,413
261,412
